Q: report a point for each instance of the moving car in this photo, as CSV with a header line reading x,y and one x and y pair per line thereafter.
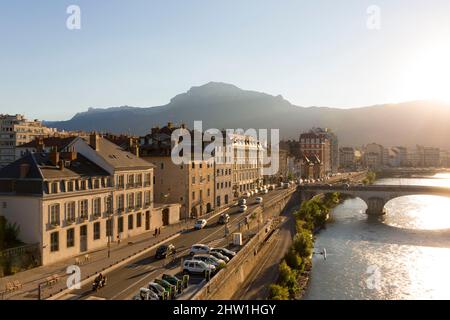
x,y
209,259
200,224
242,208
259,200
220,256
224,218
199,249
193,266
226,252
164,251
242,201
264,191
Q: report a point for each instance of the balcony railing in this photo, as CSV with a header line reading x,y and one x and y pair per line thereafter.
x,y
147,184
70,221
84,217
54,224
120,210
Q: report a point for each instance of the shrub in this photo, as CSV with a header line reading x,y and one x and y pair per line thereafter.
x,y
293,260
277,292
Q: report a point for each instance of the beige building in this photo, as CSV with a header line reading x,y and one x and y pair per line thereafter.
x,y
190,184
15,130
79,199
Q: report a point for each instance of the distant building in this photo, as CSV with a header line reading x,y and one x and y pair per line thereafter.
x,y
311,167
347,159
15,130
398,156
80,197
422,156
375,156
316,146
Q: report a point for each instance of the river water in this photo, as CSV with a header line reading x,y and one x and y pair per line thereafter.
x,y
405,255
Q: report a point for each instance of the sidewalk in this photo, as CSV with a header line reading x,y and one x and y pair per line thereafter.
x,y
98,261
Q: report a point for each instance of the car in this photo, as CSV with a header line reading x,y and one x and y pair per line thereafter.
x,y
257,190
209,259
158,289
200,224
173,281
164,251
285,185
242,201
224,218
271,187
197,267
264,191
146,294
170,288
226,252
242,208
199,249
246,195
258,200
220,256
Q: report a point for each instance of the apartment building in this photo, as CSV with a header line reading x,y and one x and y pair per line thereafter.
x,y
80,199
191,184
347,157
15,130
316,147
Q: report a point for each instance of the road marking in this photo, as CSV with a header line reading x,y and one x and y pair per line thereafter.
x,y
132,285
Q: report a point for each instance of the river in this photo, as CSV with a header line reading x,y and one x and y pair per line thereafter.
x,y
404,255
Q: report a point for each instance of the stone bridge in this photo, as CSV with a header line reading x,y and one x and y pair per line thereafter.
x,y
375,196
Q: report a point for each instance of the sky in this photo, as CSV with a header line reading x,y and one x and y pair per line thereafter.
x,y
143,52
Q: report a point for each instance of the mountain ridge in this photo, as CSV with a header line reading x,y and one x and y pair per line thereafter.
x,y
222,105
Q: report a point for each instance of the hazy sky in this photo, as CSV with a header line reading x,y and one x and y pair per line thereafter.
x,y
143,52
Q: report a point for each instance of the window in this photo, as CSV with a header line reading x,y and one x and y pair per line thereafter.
x,y
120,203
120,181
96,230
139,199
97,207
120,225
83,184
147,199
70,186
96,184
130,201
193,165
54,187
147,179
138,220
70,213
54,214
139,180
162,166
130,222
109,228
108,204
208,193
54,241
70,238
193,195
218,185
193,180
83,208
130,181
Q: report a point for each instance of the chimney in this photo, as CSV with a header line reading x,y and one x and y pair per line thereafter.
x,y
54,157
40,145
94,141
23,171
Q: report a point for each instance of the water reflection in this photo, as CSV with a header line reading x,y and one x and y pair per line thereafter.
x,y
406,255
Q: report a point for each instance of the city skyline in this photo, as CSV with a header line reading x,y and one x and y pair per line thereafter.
x,y
274,48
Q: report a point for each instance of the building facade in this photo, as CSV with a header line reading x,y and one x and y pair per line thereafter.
x,y
316,145
347,158
15,130
76,201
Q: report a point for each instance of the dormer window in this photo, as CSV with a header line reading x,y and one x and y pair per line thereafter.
x,y
54,187
70,186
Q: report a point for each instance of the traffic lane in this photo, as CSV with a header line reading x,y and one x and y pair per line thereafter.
x,y
141,270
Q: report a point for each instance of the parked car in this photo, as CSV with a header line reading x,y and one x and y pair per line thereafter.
x,y
224,218
226,252
242,208
164,251
173,281
264,191
246,195
146,294
200,224
220,256
199,249
209,259
285,185
159,290
198,267
258,200
170,288
242,201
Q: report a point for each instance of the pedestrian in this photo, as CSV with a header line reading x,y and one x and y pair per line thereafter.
x,y
159,230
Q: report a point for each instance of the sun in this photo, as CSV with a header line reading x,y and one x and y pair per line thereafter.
x,y
427,74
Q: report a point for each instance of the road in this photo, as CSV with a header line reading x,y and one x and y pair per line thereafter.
x,y
257,285
124,282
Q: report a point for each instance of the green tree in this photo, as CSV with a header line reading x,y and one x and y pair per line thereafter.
x,y
293,260
277,292
303,243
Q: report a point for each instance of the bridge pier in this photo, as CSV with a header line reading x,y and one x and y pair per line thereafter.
x,y
375,206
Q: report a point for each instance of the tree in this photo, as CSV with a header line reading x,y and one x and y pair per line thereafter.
x,y
293,260
303,243
277,292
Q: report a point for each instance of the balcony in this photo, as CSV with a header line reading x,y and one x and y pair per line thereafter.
x,y
97,215
147,184
54,224
70,221
120,187
83,218
120,210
